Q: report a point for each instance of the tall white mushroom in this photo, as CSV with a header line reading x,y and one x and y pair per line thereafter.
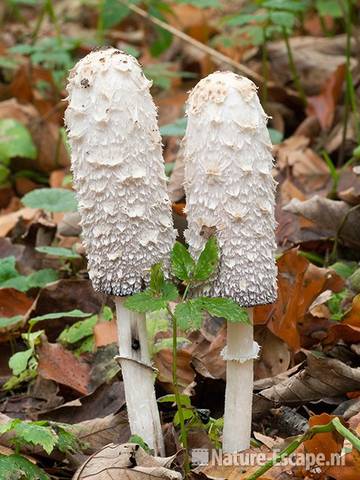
x,y
125,211
230,191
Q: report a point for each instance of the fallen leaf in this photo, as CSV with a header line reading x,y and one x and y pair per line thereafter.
x,y
328,443
322,377
98,432
163,362
299,284
9,220
60,365
323,105
126,462
105,333
13,305
333,218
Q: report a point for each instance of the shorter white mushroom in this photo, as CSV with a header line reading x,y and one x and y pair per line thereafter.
x,y
125,211
230,192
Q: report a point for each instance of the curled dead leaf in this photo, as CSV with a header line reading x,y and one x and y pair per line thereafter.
x,y
126,462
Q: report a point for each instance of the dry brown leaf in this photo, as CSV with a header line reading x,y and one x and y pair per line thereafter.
x,y
98,432
322,377
308,171
328,443
52,152
323,105
60,365
330,216
163,362
9,220
299,284
126,462
315,59
274,354
13,303
105,333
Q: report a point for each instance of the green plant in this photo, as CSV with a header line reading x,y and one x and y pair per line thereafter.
x,y
195,418
51,199
15,141
188,313
11,278
24,364
47,435
265,20
335,305
19,467
53,54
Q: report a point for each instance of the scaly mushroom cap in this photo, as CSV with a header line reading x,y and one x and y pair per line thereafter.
x,y
229,186
118,171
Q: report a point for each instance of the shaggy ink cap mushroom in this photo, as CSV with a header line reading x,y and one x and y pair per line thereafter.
x,y
229,186
118,171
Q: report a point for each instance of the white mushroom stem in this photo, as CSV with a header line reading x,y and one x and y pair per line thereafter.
x,y
239,355
138,376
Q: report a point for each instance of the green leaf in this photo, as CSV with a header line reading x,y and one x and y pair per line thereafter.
x,y
343,269
157,279
32,338
139,441
19,361
17,380
58,252
189,315
19,283
4,174
144,302
16,467
335,304
86,346
225,308
207,262
201,3
10,278
164,38
7,269
36,434
150,301
51,199
112,13
78,331
188,413
67,441
245,19
294,6
107,314
176,129
53,316
170,398
284,19
6,322
169,292
329,7
182,264
15,141
41,278
275,136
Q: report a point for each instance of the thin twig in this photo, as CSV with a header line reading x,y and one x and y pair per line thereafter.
x,y
201,46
